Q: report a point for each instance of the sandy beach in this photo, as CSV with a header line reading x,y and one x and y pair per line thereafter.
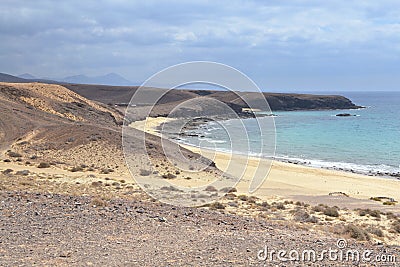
x,y
297,182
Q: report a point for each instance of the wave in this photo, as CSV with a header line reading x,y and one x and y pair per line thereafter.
x,y
378,169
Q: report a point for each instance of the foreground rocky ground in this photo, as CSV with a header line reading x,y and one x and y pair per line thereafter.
x,y
48,229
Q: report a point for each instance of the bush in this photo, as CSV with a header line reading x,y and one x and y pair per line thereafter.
x,y
265,204
106,171
375,213
210,188
77,169
252,199
217,206
356,232
98,202
396,226
375,231
331,212
14,154
169,176
43,165
145,172
318,208
8,171
280,206
243,197
303,216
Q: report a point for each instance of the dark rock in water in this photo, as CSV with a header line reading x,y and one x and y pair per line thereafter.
x,y
344,115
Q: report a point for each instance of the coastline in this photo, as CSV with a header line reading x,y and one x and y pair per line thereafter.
x,y
298,182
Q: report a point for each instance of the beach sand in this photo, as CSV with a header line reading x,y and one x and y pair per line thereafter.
x,y
298,182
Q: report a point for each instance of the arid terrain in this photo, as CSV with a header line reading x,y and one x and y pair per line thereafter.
x,y
68,199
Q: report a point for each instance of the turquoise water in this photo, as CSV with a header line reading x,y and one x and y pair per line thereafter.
x,y
367,142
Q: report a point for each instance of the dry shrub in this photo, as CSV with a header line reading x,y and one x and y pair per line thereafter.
x,y
303,216
396,226
44,165
217,206
356,232
98,202
144,172
331,212
14,154
375,231
318,208
243,197
280,206
76,169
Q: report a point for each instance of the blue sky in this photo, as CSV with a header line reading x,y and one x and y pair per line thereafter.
x,y
282,45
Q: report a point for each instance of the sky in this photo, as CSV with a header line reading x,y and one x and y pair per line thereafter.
x,y
296,45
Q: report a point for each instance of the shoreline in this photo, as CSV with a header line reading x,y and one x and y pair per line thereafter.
x,y
155,123
298,182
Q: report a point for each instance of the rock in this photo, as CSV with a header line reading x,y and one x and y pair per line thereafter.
x,y
344,115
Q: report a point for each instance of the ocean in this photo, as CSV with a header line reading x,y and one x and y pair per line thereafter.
x,y
368,142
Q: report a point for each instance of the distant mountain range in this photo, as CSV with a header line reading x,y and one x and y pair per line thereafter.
x,y
107,79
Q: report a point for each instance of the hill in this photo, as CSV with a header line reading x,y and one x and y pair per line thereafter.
x,y
121,96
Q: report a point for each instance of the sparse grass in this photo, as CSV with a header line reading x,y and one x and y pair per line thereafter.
x,y
375,199
44,165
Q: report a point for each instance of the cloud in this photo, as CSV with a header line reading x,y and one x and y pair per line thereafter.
x,y
300,39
